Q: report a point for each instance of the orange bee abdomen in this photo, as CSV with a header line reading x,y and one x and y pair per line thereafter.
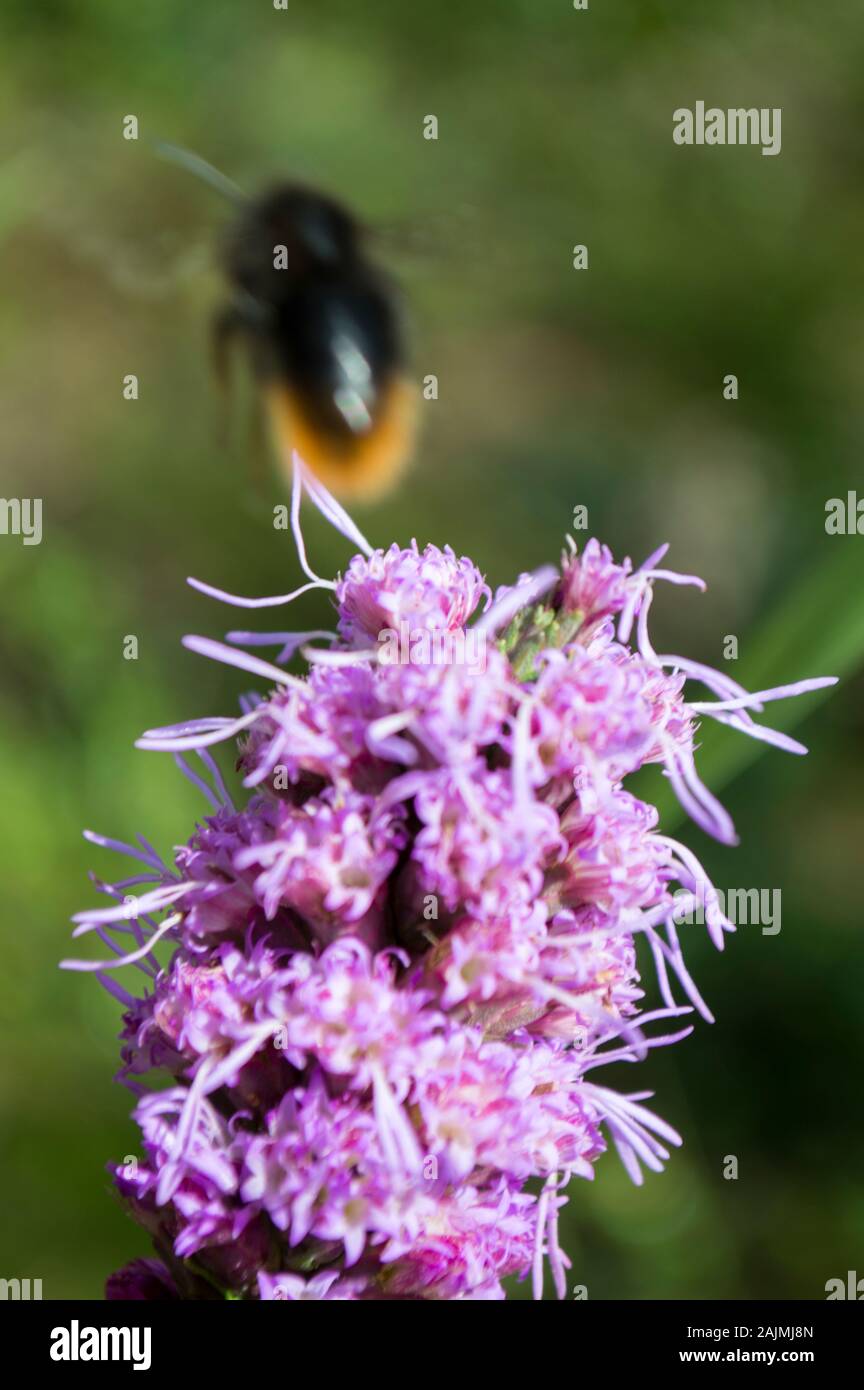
x,y
358,464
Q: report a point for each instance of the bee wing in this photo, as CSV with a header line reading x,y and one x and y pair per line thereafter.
x,y
427,238
468,239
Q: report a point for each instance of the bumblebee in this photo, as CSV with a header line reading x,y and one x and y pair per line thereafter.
x,y
323,327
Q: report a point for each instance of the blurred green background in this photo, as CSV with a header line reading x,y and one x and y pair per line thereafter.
x,y
557,387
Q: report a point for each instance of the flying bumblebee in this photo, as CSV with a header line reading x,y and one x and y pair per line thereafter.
x,y
323,328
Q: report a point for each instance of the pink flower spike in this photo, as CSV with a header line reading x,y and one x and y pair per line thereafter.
x,y
386,976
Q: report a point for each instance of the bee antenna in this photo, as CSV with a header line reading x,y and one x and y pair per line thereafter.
x,y
199,167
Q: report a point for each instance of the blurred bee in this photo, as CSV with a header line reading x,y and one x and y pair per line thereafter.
x,y
322,325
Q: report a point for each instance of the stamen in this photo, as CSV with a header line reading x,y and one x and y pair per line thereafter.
x,y
198,782
220,651
273,601
221,730
96,965
330,508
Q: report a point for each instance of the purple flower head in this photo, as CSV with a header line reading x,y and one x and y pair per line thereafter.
x,y
592,587
304,737
326,859
426,589
480,847
376,991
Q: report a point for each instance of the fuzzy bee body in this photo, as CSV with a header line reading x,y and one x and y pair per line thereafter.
x,y
324,330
